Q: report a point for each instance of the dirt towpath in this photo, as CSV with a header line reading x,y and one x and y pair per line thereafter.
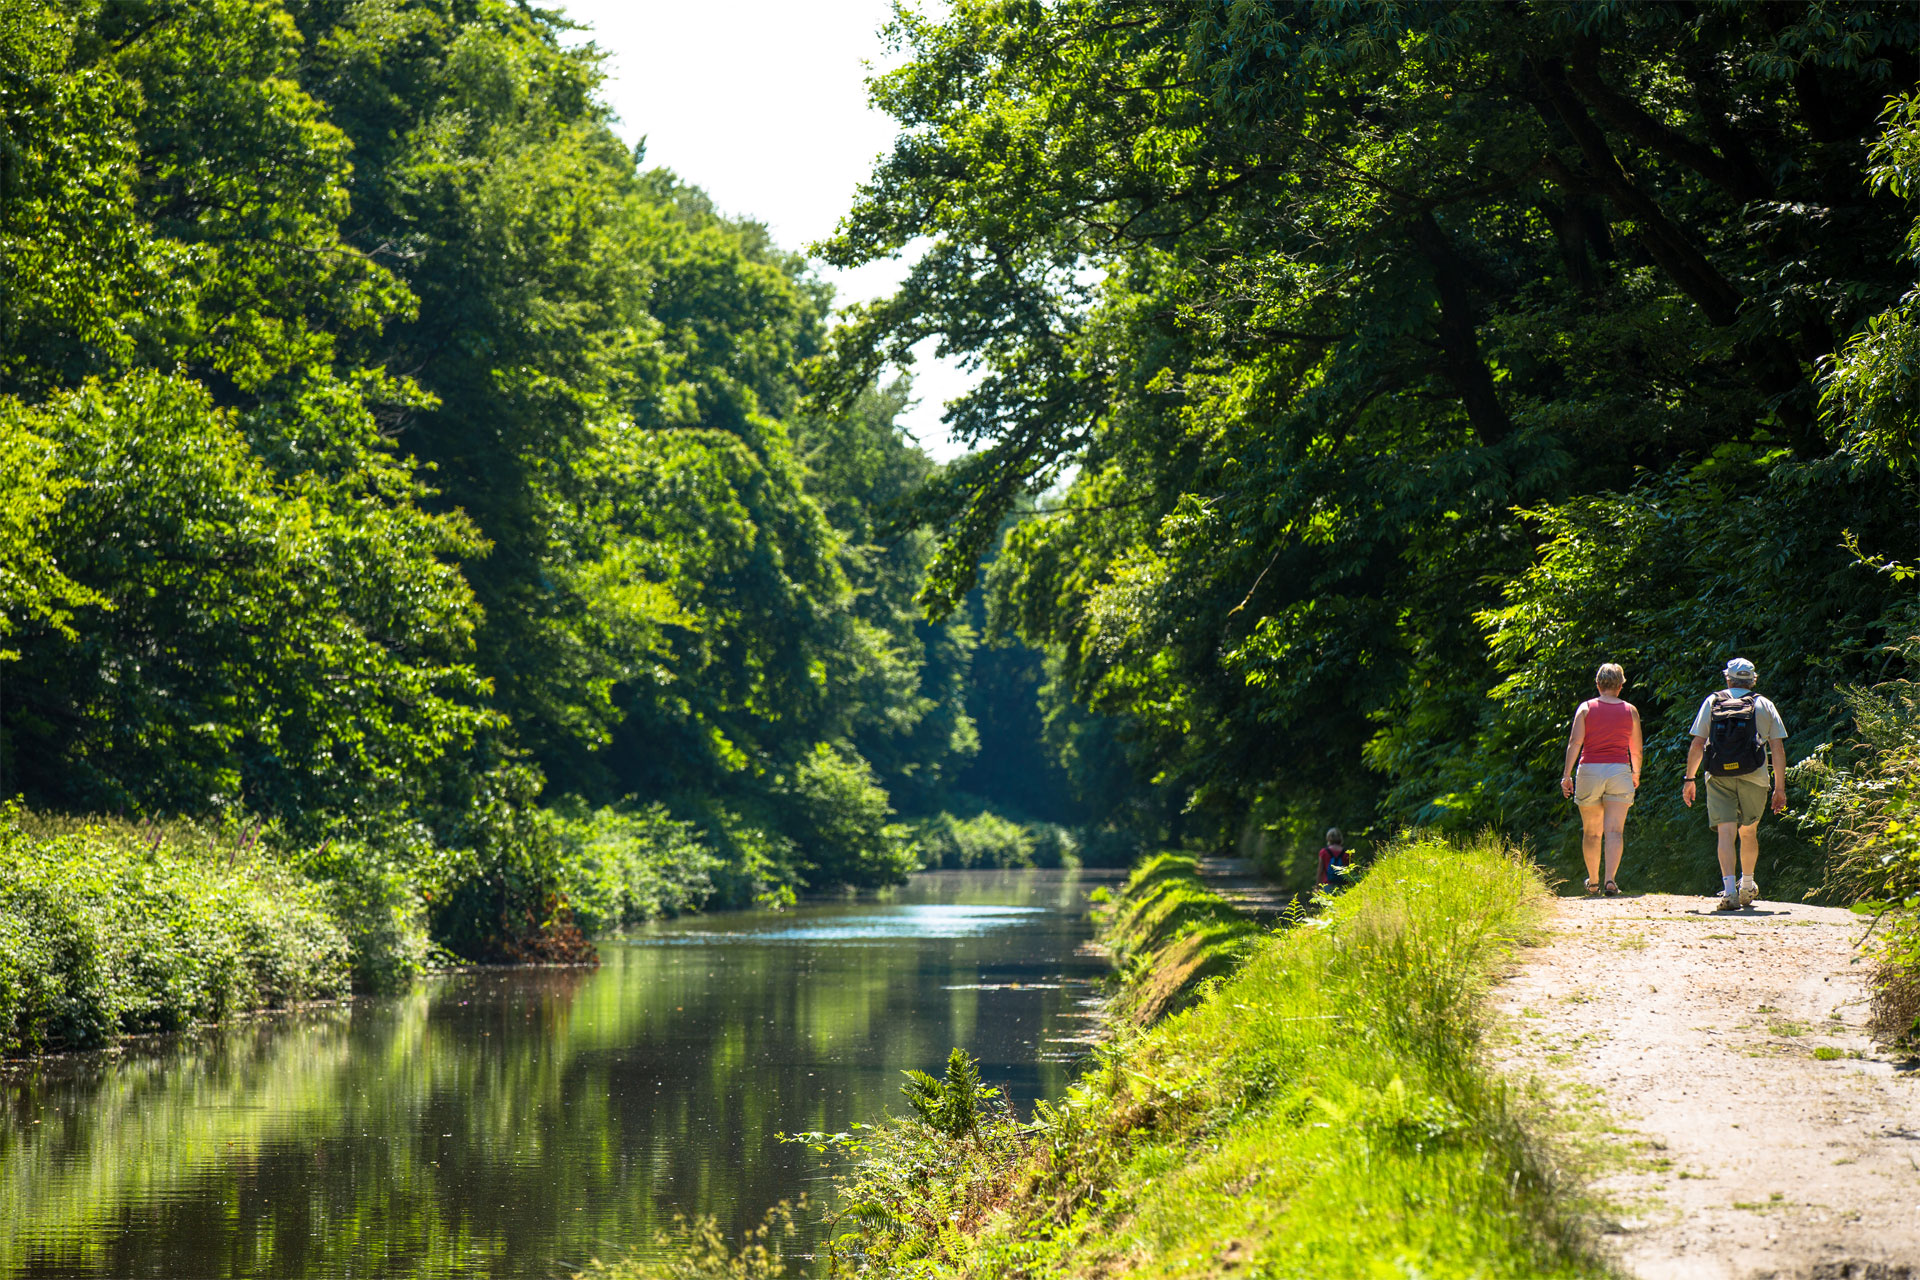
x,y
1696,1033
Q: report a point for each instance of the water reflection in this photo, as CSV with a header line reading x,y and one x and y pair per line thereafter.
x,y
515,1124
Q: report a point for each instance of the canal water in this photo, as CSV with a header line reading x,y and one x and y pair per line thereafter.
x,y
519,1123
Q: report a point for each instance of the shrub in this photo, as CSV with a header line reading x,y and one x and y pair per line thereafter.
x,y
951,843
1866,792
372,893
840,821
626,867
108,931
958,842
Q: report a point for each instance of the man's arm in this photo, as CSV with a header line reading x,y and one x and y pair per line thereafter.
x,y
1575,738
1777,748
1696,749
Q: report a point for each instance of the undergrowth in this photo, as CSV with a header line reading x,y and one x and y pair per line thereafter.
x,y
111,930
959,841
1866,793
1325,1111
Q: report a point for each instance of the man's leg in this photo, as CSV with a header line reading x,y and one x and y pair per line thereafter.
x,y
1615,837
1723,833
1749,849
1592,823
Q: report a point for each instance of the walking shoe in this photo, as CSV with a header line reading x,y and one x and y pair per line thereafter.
x,y
1729,903
1748,891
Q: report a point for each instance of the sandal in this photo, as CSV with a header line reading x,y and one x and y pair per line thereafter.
x,y
1592,886
1612,890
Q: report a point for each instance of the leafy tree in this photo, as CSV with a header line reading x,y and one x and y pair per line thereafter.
x,y
1320,299
245,642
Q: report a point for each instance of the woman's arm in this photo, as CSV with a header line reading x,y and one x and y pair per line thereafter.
x,y
1634,744
1575,738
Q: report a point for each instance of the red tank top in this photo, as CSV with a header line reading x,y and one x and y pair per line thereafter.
x,y
1609,728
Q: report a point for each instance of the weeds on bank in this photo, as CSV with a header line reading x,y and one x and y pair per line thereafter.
x,y
1866,793
696,1249
109,930
1326,1110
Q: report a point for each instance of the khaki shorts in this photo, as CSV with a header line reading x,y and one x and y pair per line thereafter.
x,y
1738,800
1603,784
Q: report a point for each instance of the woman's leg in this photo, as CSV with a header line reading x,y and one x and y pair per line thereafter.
x,y
1592,820
1615,826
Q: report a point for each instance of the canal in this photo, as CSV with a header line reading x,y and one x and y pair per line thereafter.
x,y
517,1123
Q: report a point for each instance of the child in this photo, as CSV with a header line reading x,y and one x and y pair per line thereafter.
x,y
1333,861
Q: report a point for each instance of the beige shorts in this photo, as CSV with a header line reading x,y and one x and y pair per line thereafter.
x,y
1602,784
1738,800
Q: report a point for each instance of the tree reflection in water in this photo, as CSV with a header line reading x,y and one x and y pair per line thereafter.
x,y
514,1123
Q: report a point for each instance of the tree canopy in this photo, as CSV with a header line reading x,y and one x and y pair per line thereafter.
x,y
387,452
1405,362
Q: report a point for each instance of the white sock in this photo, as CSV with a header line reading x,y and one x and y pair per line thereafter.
x,y
1731,883
1747,881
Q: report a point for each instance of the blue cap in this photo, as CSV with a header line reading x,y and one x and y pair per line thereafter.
x,y
1740,669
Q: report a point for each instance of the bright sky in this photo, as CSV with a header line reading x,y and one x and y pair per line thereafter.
x,y
763,103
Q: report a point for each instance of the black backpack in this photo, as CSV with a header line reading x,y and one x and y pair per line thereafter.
x,y
1733,737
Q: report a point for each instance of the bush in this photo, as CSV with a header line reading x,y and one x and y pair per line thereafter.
x,y
107,931
948,842
840,821
958,841
626,867
372,893
1866,793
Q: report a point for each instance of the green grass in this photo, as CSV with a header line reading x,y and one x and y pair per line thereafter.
x,y
106,931
1327,1110
1169,934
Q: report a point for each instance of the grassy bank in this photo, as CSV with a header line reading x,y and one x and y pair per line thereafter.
x,y
1168,933
1326,1110
108,931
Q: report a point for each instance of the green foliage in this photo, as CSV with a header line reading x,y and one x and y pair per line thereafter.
x,y
954,841
386,452
1865,791
839,821
1328,1110
949,1106
696,1249
1411,361
293,644
109,930
627,867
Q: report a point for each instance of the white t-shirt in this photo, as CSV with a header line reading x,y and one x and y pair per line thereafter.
x,y
1766,720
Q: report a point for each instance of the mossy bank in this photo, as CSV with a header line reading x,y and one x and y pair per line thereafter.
x,y
1326,1109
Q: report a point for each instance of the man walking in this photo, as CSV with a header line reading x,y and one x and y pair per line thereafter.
x,y
1737,731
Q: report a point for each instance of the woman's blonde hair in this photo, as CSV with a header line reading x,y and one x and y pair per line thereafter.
x,y
1610,676
1333,835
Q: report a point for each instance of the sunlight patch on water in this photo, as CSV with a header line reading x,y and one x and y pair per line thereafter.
x,y
929,920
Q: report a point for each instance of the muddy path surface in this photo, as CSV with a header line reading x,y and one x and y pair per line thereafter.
x,y
1759,1132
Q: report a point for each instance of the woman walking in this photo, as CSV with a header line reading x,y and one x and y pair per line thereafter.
x,y
1605,739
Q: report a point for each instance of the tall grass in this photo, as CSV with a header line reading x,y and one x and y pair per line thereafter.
x,y
1328,1110
107,930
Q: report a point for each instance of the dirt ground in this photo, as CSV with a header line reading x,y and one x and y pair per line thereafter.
x,y
1695,1035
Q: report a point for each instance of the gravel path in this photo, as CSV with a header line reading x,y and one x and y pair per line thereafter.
x,y
1696,1033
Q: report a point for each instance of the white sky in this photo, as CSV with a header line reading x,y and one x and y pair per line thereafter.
x,y
763,103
